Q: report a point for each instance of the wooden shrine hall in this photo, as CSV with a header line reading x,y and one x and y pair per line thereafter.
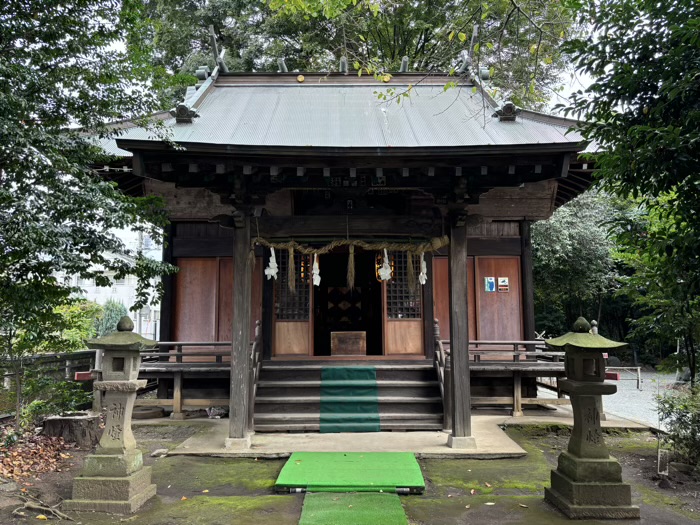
x,y
332,221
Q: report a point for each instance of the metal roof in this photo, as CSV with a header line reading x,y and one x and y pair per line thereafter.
x,y
347,115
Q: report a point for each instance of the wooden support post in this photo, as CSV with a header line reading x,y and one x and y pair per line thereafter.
x,y
447,421
240,348
429,340
517,394
459,338
167,304
177,396
528,288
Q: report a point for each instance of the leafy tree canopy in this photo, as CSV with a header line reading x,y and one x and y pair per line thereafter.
x,y
67,69
643,114
518,41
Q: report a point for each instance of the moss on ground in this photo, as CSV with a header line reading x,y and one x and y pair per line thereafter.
x,y
220,476
529,473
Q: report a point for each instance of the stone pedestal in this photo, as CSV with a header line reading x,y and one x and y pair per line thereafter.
x,y
587,483
114,479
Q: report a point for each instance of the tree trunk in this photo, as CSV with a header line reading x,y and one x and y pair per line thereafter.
x,y
79,428
18,398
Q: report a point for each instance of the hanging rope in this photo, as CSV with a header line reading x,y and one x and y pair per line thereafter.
x,y
351,268
411,249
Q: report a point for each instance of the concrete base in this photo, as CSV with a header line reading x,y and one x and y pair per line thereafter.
x,y
590,511
118,495
466,442
237,443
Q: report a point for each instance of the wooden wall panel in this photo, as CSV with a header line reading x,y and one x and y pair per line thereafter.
x,y
499,313
292,338
195,301
441,296
404,337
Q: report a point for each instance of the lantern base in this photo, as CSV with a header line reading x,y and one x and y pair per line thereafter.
x,y
590,499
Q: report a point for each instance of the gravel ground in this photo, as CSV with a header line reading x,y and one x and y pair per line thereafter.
x,y
639,405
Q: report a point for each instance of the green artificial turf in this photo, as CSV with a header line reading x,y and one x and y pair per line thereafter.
x,y
352,509
351,472
349,401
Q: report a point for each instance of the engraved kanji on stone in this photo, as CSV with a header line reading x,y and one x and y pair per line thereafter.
x,y
115,431
116,411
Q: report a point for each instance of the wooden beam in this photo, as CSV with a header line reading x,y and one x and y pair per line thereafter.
x,y
459,332
240,348
167,304
358,225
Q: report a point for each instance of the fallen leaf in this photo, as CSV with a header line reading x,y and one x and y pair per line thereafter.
x,y
205,491
487,484
183,498
472,491
467,506
489,503
349,506
449,495
523,506
42,517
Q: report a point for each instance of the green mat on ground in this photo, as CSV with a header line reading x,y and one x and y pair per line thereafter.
x,y
349,399
352,509
351,472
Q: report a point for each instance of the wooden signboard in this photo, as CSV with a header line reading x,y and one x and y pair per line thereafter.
x,y
348,343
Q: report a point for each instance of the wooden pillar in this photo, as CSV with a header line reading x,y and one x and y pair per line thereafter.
x,y
429,340
168,303
459,337
528,288
240,347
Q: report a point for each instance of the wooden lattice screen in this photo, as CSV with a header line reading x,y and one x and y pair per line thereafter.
x,y
401,303
293,305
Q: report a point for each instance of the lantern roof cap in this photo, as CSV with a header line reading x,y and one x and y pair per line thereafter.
x,y
582,338
122,339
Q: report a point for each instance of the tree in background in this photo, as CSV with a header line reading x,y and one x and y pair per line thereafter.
x,y
67,69
574,269
643,113
518,41
105,323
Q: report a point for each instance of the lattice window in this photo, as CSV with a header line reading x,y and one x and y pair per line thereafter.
x,y
401,303
293,305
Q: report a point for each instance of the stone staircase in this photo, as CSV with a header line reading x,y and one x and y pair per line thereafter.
x,y
288,397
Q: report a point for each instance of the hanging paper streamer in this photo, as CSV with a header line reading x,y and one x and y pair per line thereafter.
x,y
315,272
272,269
423,276
385,271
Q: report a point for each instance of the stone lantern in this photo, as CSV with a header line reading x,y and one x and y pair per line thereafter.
x,y
588,482
114,478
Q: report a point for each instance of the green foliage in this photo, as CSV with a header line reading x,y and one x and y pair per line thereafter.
x,y
643,114
107,322
680,412
519,43
66,71
51,397
574,269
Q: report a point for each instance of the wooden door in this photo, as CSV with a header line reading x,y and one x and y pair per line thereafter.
x,y
292,331
499,312
403,310
203,300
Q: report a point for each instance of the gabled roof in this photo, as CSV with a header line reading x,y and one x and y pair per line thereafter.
x,y
346,111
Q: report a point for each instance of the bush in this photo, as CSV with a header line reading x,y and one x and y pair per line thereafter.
x,y
680,411
107,322
49,396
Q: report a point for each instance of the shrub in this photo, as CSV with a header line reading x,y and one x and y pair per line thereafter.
x,y
680,411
